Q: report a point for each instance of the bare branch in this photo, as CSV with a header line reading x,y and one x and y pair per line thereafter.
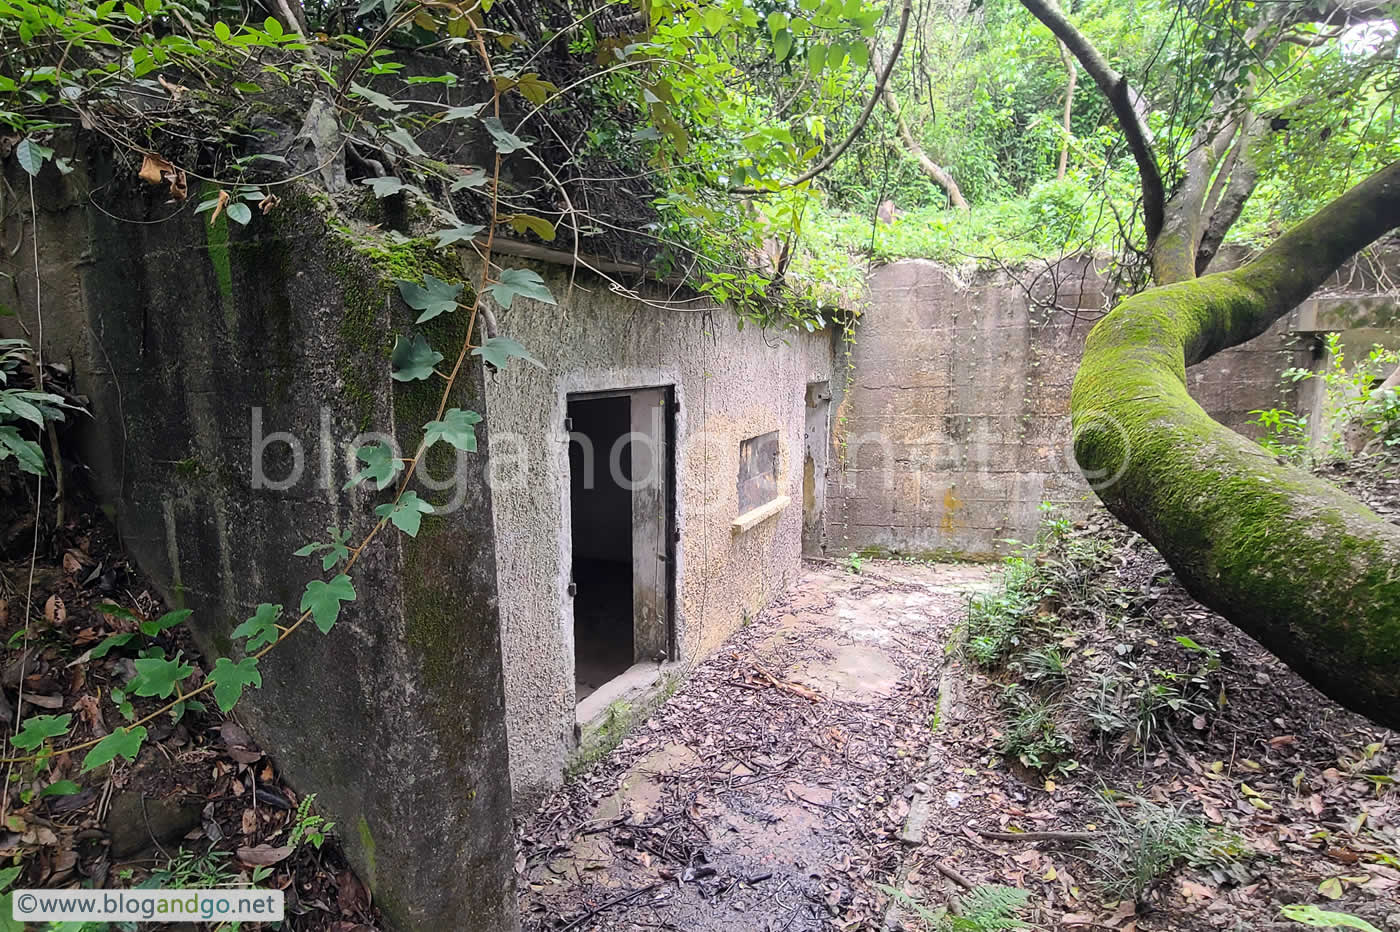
x,y
936,173
1115,87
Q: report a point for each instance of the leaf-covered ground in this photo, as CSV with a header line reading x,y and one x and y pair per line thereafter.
x,y
202,805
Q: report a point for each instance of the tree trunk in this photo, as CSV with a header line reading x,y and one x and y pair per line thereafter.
x,y
935,172
1299,565
1073,70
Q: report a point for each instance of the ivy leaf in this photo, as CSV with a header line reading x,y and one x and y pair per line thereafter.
x,y
465,232
521,282
381,465
40,728
474,178
157,676
386,186
463,113
335,551
116,640
168,620
433,297
32,156
522,223
59,788
506,141
535,89
457,427
413,359
498,351
323,600
407,513
229,678
405,141
377,99
124,741
261,629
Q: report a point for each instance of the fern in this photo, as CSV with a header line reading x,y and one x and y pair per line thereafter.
x,y
989,908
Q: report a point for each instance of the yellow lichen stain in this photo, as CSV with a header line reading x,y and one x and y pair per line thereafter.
x,y
951,503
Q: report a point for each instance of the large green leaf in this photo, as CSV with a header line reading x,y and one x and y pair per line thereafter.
x,y
457,427
433,297
230,678
123,741
406,514
375,98
1310,915
158,676
261,629
506,141
522,282
31,155
381,466
165,622
27,453
463,233
323,600
413,359
499,350
39,728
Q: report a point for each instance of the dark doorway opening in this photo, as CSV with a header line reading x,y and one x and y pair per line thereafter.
x,y
601,516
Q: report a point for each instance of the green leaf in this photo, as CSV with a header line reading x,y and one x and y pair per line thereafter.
x,y
463,233
523,282
27,453
413,359
1310,915
782,45
498,351
59,788
776,22
240,213
522,223
335,551
116,640
157,676
473,178
261,629
535,89
457,427
222,32
433,297
405,141
407,513
463,113
376,99
816,59
124,741
32,156
386,186
40,728
272,27
381,466
168,620
7,877
229,678
506,141
323,600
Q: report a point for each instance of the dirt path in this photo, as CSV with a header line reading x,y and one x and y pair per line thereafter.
x,y
771,792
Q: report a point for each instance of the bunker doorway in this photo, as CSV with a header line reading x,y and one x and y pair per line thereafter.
x,y
622,507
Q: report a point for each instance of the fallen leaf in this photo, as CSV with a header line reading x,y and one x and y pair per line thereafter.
x,y
223,199
1195,891
1331,888
154,168
263,855
54,610
249,821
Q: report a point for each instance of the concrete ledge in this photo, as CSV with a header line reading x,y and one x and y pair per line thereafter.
x,y
756,516
608,713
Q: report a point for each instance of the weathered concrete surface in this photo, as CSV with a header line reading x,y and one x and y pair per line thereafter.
x,y
954,426
745,805
730,385
180,333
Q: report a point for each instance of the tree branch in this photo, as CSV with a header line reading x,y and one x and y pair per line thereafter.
x,y
1115,87
1289,558
935,172
1073,80
881,79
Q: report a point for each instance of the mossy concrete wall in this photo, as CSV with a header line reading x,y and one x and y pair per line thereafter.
x,y
179,332
730,384
951,416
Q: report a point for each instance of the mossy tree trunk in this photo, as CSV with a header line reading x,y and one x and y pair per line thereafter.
x,y
1305,569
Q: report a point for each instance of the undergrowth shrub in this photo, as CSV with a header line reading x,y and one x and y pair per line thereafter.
x,y
1139,846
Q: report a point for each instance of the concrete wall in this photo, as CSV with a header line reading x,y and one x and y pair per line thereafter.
x,y
952,418
730,384
179,332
